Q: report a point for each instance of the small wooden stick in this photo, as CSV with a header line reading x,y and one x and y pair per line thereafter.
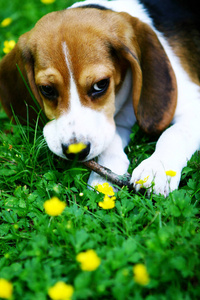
x,y
109,175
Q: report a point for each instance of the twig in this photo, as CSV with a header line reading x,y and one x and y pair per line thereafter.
x,y
7,160
109,175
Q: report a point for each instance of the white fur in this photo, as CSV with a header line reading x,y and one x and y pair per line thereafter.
x,y
173,149
79,123
177,144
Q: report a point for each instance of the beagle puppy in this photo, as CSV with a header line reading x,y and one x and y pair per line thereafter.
x,y
97,68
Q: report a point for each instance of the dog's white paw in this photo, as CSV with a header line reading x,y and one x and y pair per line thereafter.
x,y
154,176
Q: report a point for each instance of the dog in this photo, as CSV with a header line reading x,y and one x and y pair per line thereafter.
x,y
95,69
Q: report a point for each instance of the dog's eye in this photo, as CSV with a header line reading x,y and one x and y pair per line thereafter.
x,y
49,92
99,88
101,85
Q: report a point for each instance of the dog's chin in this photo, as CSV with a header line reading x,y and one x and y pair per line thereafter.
x,y
82,160
92,155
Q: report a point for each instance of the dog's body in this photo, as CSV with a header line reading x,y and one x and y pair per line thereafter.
x,y
95,72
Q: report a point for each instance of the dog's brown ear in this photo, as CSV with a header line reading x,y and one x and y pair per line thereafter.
x,y
154,82
16,82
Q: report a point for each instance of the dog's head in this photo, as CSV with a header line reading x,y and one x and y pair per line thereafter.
x,y
75,62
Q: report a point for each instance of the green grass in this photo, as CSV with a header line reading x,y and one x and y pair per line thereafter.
x,y
37,250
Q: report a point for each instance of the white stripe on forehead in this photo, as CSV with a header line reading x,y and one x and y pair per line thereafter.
x,y
67,58
74,97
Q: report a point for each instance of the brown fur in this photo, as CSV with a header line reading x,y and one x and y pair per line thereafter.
x,y
186,49
95,39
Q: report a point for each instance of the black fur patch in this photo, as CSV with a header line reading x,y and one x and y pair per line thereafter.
x,y
179,20
94,6
170,15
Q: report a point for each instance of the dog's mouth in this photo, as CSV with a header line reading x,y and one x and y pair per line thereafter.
x,y
76,151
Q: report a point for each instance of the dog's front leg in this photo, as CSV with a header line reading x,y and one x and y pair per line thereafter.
x,y
112,158
173,149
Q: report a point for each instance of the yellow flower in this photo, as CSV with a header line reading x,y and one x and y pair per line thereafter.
x,y
89,260
141,275
106,189
8,46
170,173
6,289
108,202
54,207
47,1
6,22
142,181
76,148
61,291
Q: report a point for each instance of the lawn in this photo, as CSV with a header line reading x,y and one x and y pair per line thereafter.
x,y
143,248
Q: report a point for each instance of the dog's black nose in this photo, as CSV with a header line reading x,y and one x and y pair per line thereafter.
x,y
76,151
